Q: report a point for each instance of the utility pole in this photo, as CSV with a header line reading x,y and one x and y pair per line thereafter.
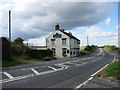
x,y
9,25
87,41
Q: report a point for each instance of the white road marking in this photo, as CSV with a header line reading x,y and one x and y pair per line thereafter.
x,y
84,83
73,63
63,66
92,60
114,59
8,75
16,78
99,70
27,76
52,68
36,72
90,77
82,64
100,51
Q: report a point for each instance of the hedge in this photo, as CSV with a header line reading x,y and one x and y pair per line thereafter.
x,y
38,54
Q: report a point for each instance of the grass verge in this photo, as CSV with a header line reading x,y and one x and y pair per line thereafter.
x,y
13,62
112,49
112,70
23,60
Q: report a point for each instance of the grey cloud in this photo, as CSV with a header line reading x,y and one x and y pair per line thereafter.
x,y
38,19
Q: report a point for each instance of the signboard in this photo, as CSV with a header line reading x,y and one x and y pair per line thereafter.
x,y
57,35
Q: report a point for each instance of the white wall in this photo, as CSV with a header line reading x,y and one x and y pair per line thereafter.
x,y
58,44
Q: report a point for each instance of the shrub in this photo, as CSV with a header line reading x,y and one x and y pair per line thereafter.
x,y
18,47
88,48
38,54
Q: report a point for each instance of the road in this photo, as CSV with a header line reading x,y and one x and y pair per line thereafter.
x,y
66,73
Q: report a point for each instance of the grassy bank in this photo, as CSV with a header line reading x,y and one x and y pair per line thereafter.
x,y
86,51
19,60
113,49
113,70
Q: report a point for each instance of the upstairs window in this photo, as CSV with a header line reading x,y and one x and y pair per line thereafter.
x,y
78,42
63,41
53,41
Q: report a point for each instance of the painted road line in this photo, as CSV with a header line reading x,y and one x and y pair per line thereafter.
x,y
52,68
34,71
16,78
63,66
8,75
84,82
28,76
99,70
100,51
92,60
114,59
82,64
90,77
72,63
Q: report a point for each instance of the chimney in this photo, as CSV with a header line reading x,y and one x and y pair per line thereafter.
x,y
63,30
57,26
70,33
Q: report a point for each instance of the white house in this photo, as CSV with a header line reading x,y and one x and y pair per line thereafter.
x,y
63,44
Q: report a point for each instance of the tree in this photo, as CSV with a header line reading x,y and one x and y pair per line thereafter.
x,y
6,49
18,41
18,47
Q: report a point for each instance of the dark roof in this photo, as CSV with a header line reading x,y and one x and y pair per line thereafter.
x,y
70,35
38,46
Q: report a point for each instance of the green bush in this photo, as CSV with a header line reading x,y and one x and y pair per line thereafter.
x,y
18,48
89,48
38,54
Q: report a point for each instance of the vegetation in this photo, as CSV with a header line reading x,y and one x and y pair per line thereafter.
x,y
6,49
14,53
112,49
113,70
88,50
39,53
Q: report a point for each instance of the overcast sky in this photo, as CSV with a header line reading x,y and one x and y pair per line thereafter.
x,y
34,20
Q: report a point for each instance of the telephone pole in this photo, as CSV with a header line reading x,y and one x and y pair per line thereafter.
x,y
87,41
9,25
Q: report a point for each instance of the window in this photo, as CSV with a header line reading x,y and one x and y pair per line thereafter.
x,y
53,41
78,42
63,41
64,52
67,51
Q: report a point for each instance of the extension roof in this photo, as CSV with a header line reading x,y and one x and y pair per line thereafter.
x,y
69,35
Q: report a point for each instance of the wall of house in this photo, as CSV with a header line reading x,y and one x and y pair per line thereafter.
x,y
58,44
75,47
